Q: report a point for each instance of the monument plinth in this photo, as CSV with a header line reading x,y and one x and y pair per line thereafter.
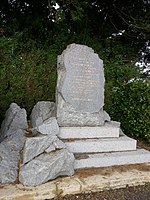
x,y
85,127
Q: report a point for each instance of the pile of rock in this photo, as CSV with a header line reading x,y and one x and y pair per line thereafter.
x,y
34,155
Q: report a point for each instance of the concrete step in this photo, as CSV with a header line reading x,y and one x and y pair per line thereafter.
x,y
109,130
123,143
111,159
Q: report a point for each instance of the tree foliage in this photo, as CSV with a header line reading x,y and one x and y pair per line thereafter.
x,y
97,18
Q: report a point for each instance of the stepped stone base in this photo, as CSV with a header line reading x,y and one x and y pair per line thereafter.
x,y
111,159
109,130
123,143
102,146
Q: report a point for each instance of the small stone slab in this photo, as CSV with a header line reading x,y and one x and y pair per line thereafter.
x,y
112,159
122,143
80,87
106,131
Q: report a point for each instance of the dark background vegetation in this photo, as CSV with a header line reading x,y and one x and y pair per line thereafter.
x,y
33,33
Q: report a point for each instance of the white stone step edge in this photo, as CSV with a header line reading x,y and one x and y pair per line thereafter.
x,y
111,159
106,131
122,143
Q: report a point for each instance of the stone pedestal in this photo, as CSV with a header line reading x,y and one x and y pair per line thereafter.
x,y
85,127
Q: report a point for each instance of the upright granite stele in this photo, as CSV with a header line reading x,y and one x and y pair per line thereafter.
x,y
84,126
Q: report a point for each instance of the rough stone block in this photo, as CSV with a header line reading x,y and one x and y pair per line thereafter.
x,y
49,126
42,111
15,118
10,155
47,167
36,145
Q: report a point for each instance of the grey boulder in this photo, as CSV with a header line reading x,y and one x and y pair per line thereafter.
x,y
42,111
36,145
44,138
15,118
10,155
46,167
50,126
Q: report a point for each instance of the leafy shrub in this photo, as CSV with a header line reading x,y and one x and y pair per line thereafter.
x,y
130,104
125,100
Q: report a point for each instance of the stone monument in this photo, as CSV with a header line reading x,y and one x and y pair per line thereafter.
x,y
85,127
80,88
78,135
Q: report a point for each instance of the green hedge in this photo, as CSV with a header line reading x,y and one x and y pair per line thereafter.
x,y
130,104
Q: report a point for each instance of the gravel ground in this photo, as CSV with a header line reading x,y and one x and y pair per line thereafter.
x,y
128,193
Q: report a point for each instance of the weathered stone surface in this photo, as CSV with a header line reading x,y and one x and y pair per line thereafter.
x,y
57,144
106,116
10,155
49,126
16,118
83,86
50,148
36,145
109,130
42,111
47,167
114,123
80,87
43,137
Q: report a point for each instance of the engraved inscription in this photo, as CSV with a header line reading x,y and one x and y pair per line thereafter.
x,y
84,81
